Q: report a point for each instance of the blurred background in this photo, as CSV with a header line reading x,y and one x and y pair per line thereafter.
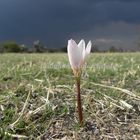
x,y
46,25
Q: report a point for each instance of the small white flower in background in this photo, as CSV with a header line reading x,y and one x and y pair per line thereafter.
x,y
77,54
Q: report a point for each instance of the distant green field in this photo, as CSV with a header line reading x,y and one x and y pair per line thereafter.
x,y
37,97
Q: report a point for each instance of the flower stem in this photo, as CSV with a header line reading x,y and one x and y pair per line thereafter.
x,y
79,102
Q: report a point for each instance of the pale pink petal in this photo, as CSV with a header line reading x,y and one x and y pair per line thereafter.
x,y
81,47
88,48
73,54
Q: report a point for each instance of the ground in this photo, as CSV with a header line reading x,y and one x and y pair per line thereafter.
x,y
38,98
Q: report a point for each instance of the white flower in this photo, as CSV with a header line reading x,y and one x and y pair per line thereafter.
x,y
77,53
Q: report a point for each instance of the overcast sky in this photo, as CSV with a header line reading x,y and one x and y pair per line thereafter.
x,y
53,22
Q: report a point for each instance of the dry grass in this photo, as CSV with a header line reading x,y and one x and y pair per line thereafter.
x,y
37,98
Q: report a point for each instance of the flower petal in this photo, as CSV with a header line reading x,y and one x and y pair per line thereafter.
x,y
81,47
73,54
81,44
88,48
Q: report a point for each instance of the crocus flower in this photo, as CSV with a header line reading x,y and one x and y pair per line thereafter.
x,y
77,54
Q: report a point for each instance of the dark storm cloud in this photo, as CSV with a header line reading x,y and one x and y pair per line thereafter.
x,y
55,21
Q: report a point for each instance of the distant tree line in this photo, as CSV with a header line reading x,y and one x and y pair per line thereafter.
x,y
38,47
11,46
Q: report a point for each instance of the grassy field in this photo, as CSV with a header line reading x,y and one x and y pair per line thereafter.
x,y
37,97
